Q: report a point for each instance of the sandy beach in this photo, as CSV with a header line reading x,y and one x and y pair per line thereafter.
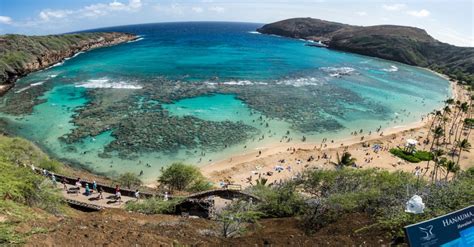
x,y
284,161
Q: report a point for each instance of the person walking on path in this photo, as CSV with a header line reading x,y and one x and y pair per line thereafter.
x,y
94,186
137,194
88,190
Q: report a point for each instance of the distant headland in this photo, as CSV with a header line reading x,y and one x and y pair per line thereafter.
x,y
409,45
20,54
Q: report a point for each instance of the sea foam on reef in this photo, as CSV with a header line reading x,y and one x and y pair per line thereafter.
x,y
392,68
296,82
30,86
338,71
106,83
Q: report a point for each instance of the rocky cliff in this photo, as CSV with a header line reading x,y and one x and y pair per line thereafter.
x,y
20,55
407,45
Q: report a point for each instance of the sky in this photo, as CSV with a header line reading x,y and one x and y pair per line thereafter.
x,y
450,21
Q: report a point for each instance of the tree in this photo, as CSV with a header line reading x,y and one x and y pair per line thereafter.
x,y
345,160
234,218
450,167
129,179
463,145
439,162
437,133
182,177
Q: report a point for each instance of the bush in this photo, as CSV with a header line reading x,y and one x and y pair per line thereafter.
x,y
182,177
153,206
415,157
382,195
235,218
129,179
280,201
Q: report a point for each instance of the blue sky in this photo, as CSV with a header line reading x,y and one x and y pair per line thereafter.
x,y
449,21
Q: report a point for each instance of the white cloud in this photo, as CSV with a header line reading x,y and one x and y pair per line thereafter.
x,y
217,9
197,9
5,19
420,13
48,14
394,7
361,13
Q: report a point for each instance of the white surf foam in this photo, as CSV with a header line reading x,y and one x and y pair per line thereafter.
x,y
338,71
254,32
297,82
140,37
392,68
30,86
106,83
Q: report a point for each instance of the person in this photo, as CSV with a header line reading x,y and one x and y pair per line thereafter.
x,y
117,189
137,194
88,190
64,184
94,186
166,196
118,197
100,194
78,185
53,178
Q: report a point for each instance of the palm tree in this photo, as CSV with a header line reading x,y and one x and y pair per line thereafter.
x,y
463,145
439,162
436,115
464,108
437,133
458,108
345,160
450,167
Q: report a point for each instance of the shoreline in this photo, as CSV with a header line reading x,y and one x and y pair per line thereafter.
x,y
244,167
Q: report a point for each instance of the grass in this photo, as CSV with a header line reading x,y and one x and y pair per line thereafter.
x,y
414,157
22,190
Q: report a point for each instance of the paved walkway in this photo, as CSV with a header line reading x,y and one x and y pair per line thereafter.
x,y
108,201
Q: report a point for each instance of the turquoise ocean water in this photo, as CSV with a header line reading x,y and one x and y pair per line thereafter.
x,y
220,54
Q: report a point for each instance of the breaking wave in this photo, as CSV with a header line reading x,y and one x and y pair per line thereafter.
x,y
140,37
338,71
254,32
297,82
392,68
106,83
30,86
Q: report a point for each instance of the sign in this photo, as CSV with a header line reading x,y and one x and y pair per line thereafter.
x,y
453,229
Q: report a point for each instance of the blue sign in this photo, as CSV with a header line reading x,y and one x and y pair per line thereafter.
x,y
455,229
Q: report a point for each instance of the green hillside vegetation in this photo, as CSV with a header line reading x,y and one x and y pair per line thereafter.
x,y
25,196
18,52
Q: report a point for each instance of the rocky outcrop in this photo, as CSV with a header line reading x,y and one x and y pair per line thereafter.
x,y
407,45
20,55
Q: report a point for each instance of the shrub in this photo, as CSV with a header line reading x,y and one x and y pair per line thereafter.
x,y
235,218
179,176
129,179
153,206
415,157
279,201
382,195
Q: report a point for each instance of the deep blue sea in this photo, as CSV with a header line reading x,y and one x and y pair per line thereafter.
x,y
345,87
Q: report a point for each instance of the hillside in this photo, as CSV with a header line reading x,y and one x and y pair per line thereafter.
x,y
407,45
20,54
